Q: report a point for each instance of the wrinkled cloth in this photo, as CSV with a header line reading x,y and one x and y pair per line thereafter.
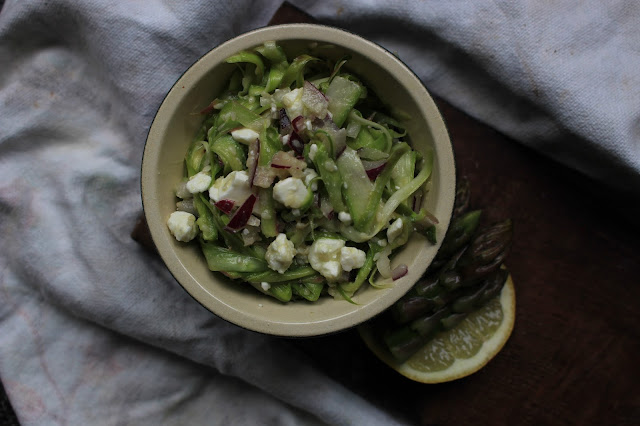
x,y
93,329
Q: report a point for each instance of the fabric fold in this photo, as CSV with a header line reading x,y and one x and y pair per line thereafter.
x,y
93,329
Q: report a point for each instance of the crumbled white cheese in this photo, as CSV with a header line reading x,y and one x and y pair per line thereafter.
x,y
250,235
244,135
291,192
285,139
344,217
309,175
265,285
235,186
280,253
182,226
302,253
253,221
351,258
198,183
324,257
292,102
382,242
394,230
313,149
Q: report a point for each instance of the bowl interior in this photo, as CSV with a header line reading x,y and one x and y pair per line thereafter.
x,y
176,124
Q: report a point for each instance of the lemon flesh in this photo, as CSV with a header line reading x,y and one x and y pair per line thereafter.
x,y
459,352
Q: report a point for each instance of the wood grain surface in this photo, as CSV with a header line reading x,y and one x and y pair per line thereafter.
x,y
573,356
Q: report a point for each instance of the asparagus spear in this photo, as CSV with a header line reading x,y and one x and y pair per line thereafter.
x,y
470,266
460,232
463,197
404,340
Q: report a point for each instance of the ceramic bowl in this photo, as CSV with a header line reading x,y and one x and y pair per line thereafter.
x,y
175,125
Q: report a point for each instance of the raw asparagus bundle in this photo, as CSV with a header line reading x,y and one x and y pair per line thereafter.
x,y
465,275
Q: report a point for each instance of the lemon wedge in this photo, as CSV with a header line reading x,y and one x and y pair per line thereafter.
x,y
460,351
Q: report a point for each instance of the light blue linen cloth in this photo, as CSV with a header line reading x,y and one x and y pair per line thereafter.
x,y
94,330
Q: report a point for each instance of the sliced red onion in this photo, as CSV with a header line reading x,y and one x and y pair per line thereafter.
x,y
214,105
298,124
295,143
285,123
417,201
208,109
368,165
286,160
225,205
314,100
374,168
242,215
434,220
399,271
264,176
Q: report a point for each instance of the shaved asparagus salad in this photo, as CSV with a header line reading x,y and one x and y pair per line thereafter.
x,y
299,182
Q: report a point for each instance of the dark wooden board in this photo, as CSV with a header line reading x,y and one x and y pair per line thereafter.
x,y
573,355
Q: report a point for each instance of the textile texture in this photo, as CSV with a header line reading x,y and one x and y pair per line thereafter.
x,y
93,329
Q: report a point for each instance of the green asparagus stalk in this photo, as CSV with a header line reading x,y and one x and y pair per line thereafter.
x,y
460,232
404,340
463,197
486,252
467,268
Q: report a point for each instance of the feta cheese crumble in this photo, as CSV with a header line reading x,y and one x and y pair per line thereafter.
x,y
330,257
235,186
244,135
280,254
313,149
198,183
310,174
351,258
182,226
344,217
324,257
291,192
292,102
